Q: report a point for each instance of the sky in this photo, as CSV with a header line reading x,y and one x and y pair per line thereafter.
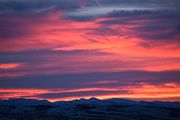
x,y
71,49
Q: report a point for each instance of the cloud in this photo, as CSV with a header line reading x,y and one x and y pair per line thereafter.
x,y
101,11
53,62
43,55
46,61
79,94
29,7
114,43
10,66
86,80
125,8
158,26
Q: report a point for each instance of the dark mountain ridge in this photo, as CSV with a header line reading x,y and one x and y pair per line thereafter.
x,y
88,109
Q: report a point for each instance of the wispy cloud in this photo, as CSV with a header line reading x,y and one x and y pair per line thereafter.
x,y
84,45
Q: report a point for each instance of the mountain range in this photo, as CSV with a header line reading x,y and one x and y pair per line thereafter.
x,y
88,109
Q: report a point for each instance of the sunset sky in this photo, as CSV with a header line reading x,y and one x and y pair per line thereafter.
x,y
71,49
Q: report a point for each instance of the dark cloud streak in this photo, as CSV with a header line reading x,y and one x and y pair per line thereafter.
x,y
86,80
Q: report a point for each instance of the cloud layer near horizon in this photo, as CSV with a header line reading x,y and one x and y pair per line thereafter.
x,y
67,49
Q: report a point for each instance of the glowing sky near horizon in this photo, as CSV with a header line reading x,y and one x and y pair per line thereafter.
x,y
69,49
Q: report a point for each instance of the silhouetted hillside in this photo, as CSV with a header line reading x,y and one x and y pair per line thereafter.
x,y
88,109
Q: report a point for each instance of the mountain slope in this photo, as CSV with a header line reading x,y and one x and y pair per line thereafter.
x,y
88,109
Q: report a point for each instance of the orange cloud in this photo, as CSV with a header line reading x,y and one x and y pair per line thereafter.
x,y
142,92
123,48
10,65
145,92
54,32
